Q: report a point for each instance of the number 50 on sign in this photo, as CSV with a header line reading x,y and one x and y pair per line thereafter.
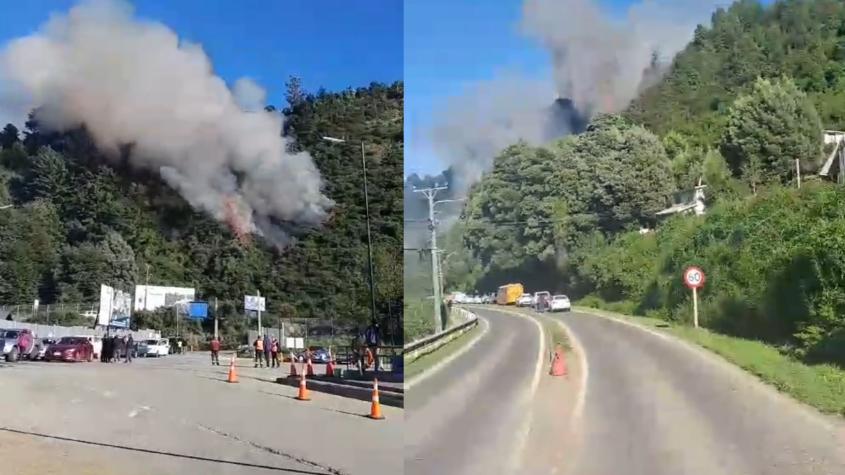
x,y
694,278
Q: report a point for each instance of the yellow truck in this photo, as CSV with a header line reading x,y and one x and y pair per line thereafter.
x,y
508,294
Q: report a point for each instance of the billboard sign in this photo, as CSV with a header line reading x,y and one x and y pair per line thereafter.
x,y
115,307
254,303
152,297
198,310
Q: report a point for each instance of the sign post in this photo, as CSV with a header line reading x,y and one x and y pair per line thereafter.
x,y
255,303
694,278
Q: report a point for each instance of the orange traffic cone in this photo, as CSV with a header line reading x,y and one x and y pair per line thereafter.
x,y
233,375
558,364
330,366
375,409
303,391
292,365
310,368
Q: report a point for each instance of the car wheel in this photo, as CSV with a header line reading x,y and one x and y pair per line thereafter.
x,y
12,356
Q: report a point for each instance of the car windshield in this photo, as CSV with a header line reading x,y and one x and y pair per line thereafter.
x,y
151,342
11,334
71,340
561,297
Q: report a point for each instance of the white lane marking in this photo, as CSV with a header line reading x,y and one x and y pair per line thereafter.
x,y
525,430
445,361
138,410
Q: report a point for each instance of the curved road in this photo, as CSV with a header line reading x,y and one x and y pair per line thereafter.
x,y
653,406
656,406
467,417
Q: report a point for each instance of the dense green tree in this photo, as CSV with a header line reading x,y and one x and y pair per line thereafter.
x,y
769,129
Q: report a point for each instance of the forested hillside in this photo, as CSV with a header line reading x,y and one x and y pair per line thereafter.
x,y
801,39
747,98
81,219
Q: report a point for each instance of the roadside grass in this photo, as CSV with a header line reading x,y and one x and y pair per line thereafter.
x,y
820,386
425,362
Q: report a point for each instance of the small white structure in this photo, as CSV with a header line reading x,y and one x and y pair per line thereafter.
x,y
685,205
835,163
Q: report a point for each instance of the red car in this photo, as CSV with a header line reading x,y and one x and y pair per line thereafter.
x,y
70,348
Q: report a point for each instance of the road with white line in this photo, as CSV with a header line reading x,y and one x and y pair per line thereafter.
x,y
643,403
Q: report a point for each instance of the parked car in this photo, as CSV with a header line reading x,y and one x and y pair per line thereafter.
x,y
560,303
42,347
17,344
525,300
96,343
318,355
159,347
70,348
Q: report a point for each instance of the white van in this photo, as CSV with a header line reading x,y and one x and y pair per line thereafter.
x,y
154,347
96,342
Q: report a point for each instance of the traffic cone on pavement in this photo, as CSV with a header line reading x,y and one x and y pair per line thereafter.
x,y
558,363
233,375
310,368
375,409
303,390
330,366
292,365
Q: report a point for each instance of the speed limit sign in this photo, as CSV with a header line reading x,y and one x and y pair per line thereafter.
x,y
694,278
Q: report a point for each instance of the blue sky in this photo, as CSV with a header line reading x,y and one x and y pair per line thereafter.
x,y
328,43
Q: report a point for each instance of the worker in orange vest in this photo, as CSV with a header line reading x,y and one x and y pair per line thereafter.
x,y
215,352
259,352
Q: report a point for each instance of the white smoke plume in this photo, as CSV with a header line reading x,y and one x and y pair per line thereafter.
x,y
599,62
134,82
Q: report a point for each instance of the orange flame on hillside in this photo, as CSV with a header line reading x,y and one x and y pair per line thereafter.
x,y
236,221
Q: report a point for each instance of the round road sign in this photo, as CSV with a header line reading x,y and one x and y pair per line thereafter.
x,y
694,277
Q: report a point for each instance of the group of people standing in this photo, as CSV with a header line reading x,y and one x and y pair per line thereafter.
x,y
267,351
118,347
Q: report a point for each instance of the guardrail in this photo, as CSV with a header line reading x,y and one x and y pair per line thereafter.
x,y
426,345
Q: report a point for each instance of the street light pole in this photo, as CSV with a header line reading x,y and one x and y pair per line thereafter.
x,y
369,234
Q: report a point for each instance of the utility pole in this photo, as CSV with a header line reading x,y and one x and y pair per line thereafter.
x,y
258,293
430,194
215,318
798,171
369,237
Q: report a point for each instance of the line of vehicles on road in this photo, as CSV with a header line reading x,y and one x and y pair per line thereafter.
x,y
22,344
514,294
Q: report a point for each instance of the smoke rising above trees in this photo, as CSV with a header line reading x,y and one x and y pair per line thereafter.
x,y
133,82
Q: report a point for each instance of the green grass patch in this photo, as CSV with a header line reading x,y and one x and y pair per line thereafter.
x,y
423,363
821,386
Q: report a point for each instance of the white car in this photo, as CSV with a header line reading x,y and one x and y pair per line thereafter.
x,y
525,300
541,296
560,303
160,347
96,342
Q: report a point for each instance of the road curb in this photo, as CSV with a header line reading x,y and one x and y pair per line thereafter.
x,y
386,396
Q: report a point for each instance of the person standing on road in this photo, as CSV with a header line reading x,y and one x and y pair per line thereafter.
x,y
215,351
274,352
259,351
268,347
129,343
372,337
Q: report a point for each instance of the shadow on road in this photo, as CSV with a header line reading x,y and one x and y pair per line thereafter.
x,y
157,452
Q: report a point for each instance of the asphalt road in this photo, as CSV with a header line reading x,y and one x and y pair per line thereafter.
x,y
178,415
468,418
655,406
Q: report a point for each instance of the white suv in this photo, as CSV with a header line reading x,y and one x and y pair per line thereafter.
x,y
560,303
